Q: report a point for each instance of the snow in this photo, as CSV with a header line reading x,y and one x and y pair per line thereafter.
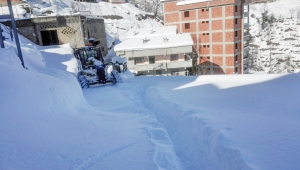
x,y
186,2
151,31
206,122
158,122
155,42
118,59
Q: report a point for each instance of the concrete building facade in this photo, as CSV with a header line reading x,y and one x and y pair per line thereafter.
x,y
55,30
219,29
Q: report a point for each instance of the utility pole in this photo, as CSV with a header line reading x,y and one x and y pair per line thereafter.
x,y
13,23
1,38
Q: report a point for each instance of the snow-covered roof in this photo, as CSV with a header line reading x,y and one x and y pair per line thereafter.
x,y
151,31
191,2
156,42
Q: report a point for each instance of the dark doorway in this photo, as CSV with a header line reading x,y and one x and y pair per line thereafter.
x,y
49,37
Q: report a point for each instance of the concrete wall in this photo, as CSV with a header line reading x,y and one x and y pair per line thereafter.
x,y
65,26
94,28
213,26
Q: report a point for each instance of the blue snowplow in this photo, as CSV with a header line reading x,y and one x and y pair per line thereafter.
x,y
93,70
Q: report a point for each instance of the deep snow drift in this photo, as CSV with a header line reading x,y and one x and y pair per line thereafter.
x,y
207,122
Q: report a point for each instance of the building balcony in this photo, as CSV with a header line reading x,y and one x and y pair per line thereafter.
x,y
246,25
161,66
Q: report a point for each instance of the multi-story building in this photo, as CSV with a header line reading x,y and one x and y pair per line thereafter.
x,y
219,29
157,51
4,2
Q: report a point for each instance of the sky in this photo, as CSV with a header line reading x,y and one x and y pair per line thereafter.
x,y
156,122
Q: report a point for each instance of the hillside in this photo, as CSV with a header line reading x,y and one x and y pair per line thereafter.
x,y
275,43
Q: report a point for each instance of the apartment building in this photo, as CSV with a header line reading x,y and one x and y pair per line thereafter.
x,y
157,51
219,29
13,2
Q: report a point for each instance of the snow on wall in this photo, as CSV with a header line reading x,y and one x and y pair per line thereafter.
x,y
156,42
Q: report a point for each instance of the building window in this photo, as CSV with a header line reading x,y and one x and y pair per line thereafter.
x,y
139,60
236,70
158,72
187,57
175,72
236,46
174,57
235,34
141,73
187,25
236,21
151,59
236,8
186,14
236,58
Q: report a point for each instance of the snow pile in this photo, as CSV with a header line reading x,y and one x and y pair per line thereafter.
x,y
155,42
230,122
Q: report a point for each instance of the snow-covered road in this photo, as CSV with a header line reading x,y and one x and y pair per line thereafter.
x,y
136,124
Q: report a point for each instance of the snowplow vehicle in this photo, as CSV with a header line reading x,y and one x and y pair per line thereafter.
x,y
93,70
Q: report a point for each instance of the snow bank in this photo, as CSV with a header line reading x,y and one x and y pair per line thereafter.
x,y
230,122
198,145
33,59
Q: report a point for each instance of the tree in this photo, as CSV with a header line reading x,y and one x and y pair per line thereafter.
x,y
154,6
292,12
264,19
298,12
272,18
